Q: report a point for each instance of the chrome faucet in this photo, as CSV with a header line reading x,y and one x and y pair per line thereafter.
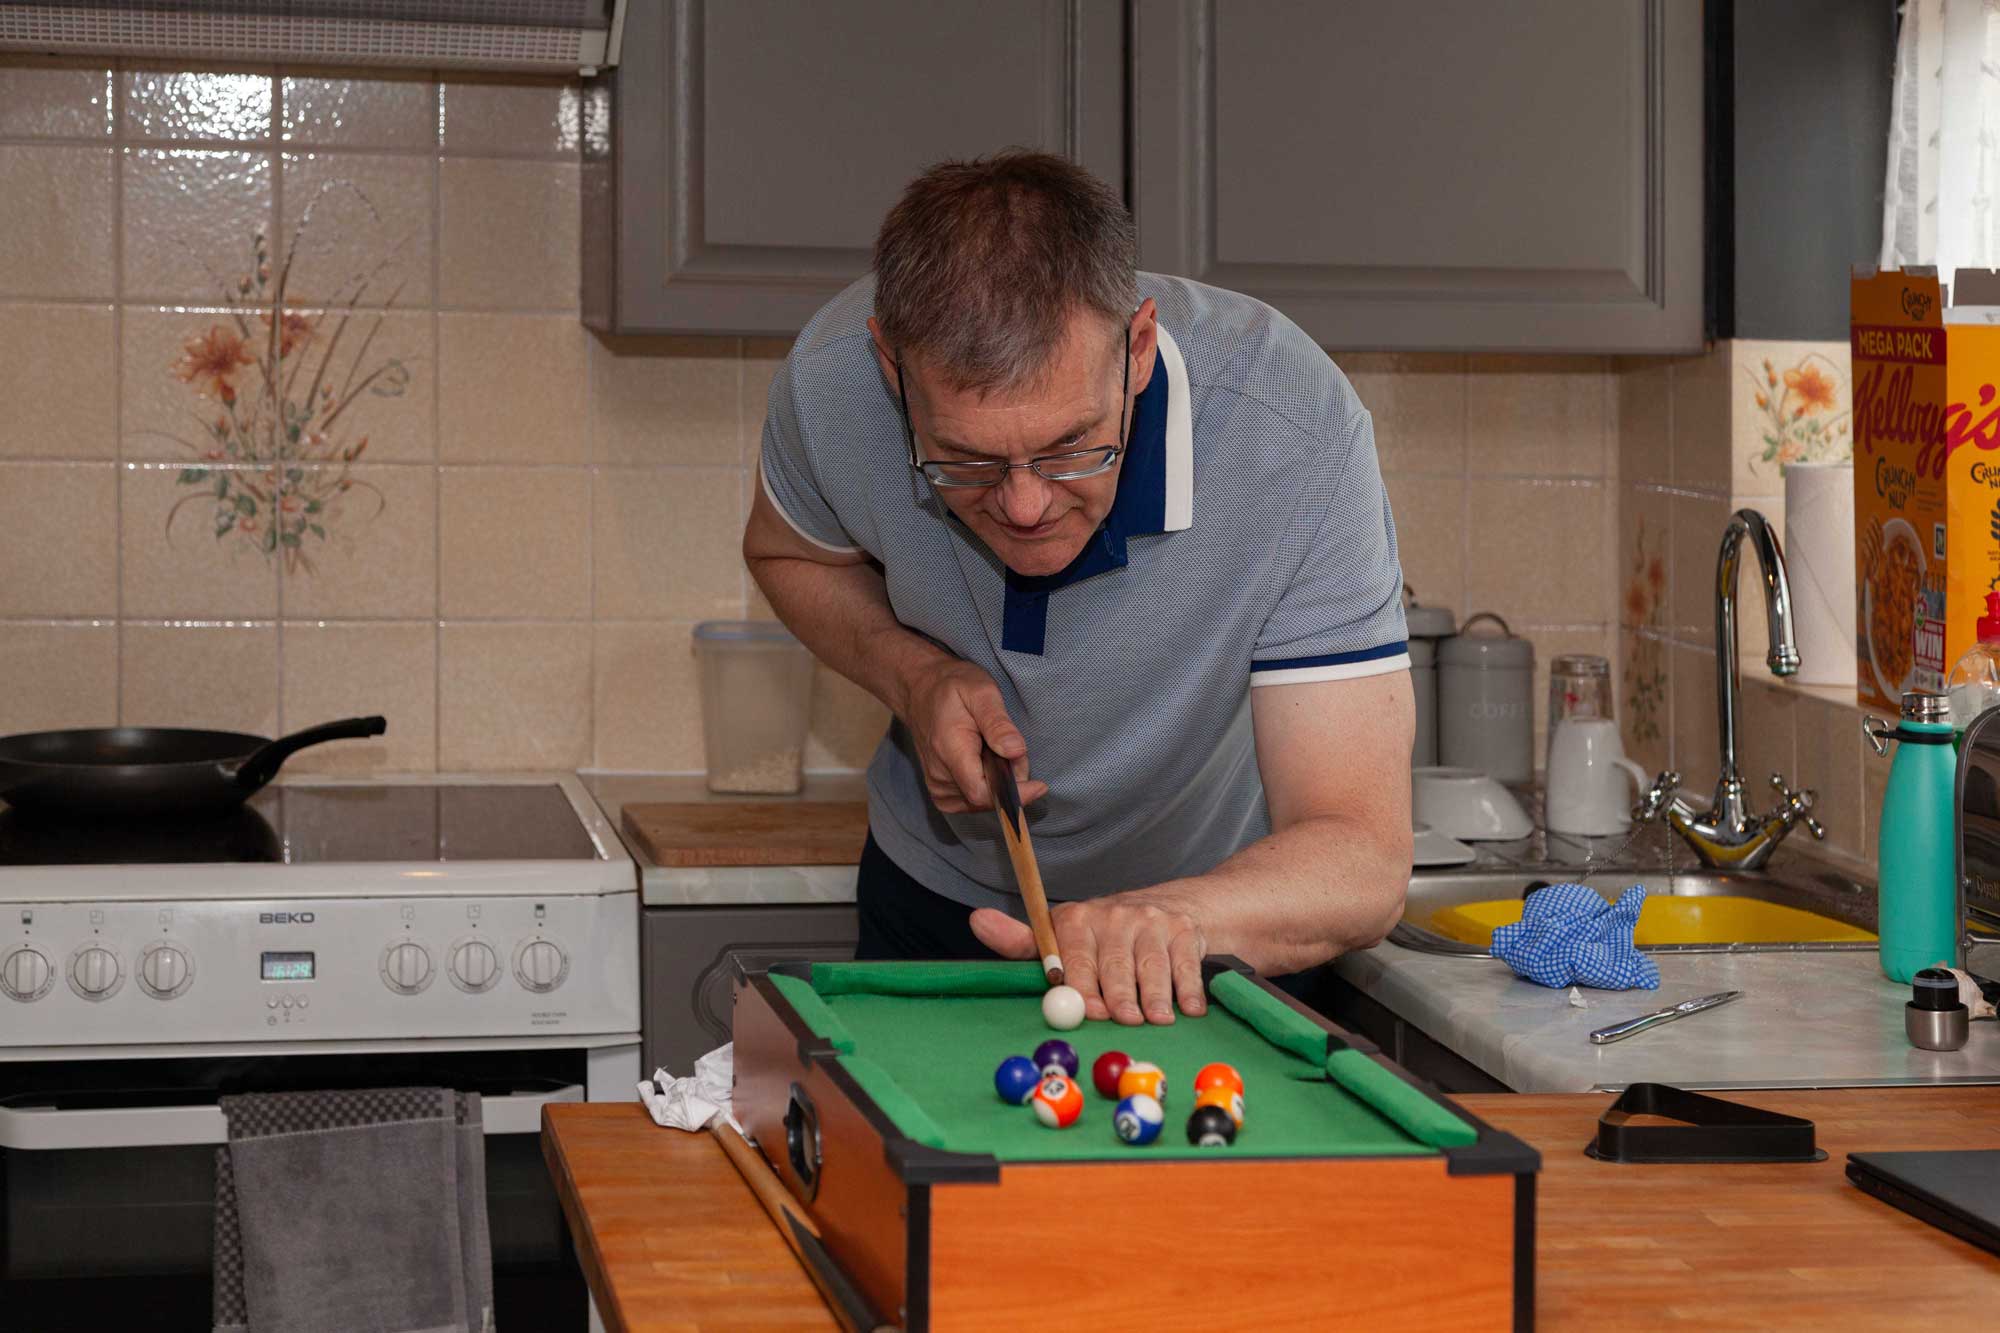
x,y
1727,835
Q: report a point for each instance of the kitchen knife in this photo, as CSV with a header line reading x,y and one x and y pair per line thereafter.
x,y
1021,851
1620,1031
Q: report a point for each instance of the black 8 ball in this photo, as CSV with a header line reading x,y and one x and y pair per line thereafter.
x,y
1211,1127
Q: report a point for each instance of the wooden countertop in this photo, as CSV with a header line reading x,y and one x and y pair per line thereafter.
x,y
672,1239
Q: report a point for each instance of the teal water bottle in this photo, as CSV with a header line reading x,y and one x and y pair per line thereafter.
x,y
1916,863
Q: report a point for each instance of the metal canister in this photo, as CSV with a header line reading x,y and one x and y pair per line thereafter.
x,y
1427,625
1486,709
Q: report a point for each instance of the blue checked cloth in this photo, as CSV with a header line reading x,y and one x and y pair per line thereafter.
x,y
1569,936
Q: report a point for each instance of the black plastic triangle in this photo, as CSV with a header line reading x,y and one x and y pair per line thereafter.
x,y
1710,1130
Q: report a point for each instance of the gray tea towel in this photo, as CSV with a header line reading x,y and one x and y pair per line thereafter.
x,y
353,1212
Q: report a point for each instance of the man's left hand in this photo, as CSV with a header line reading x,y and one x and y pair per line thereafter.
x,y
1132,955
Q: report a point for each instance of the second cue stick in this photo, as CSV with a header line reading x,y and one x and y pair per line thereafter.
x,y
1021,851
849,1306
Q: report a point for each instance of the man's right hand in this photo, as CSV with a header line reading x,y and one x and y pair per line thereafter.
x,y
954,710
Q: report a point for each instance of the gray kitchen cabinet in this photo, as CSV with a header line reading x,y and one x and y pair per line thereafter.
x,y
1440,174
689,958
740,158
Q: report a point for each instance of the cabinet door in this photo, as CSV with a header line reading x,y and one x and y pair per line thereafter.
x,y
1433,173
756,144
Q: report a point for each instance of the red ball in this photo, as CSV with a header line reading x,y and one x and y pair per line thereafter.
x,y
1105,1071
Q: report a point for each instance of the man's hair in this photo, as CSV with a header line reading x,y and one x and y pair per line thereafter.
x,y
981,265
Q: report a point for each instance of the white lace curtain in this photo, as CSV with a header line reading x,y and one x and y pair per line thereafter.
x,y
1944,138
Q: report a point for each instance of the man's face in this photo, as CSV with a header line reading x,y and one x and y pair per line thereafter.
x,y
1034,526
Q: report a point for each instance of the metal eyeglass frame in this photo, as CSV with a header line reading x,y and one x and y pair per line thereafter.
x,y
1000,470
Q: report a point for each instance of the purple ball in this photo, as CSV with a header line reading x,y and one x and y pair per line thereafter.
x,y
1055,1054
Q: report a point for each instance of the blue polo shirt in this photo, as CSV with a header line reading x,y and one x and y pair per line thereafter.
x,y
1249,544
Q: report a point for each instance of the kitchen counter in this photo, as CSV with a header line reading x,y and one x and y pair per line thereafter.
x,y
672,1239
1805,1020
726,886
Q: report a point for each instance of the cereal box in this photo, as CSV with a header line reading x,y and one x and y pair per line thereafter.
x,y
1926,477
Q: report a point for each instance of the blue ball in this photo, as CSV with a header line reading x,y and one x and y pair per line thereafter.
x,y
1056,1054
1138,1119
1016,1080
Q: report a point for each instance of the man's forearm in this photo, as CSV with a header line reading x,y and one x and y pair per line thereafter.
x,y
1301,896
842,613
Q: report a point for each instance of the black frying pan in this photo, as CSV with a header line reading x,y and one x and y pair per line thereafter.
x,y
149,771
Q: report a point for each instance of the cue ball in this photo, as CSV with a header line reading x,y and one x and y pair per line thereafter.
x,y
1057,1102
1062,1008
1104,1073
1143,1076
1015,1080
1138,1119
1218,1075
1211,1127
1056,1056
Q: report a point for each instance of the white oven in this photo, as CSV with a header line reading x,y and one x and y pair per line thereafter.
x,y
475,934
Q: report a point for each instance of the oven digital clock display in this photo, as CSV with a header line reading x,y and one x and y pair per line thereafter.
x,y
288,967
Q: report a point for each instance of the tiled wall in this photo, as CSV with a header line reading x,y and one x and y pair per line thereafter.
x,y
1502,475
509,569
1700,437
511,566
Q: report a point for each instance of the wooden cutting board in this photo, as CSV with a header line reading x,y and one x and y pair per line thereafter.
x,y
749,833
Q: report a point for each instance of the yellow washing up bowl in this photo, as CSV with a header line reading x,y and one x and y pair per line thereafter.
x,y
1721,919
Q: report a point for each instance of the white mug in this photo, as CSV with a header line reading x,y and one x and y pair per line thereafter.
x,y
1586,778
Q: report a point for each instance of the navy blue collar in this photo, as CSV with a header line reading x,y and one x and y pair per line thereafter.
x,y
1139,508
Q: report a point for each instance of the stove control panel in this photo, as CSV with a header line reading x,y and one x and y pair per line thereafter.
x,y
331,969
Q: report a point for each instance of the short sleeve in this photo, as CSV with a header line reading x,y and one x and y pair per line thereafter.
x,y
789,480
1341,616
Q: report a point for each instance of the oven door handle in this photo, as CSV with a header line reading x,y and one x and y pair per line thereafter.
x,y
30,1128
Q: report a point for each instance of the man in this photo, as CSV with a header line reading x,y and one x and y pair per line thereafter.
x,y
1129,526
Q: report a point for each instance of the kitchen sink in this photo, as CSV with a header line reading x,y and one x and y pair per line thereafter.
x,y
1799,908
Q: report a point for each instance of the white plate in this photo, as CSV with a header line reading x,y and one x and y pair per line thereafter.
x,y
1432,848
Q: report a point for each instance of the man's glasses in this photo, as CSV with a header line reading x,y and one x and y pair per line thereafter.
x,y
1073,465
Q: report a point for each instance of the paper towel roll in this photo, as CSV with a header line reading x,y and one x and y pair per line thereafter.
x,y
1819,560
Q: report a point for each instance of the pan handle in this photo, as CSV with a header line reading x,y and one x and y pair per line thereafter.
x,y
263,765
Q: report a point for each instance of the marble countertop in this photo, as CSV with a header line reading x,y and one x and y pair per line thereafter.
x,y
1805,1020
726,886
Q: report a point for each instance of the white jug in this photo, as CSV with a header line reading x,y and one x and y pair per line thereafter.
x,y
1587,778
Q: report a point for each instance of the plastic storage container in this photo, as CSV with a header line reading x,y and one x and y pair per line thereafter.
x,y
756,701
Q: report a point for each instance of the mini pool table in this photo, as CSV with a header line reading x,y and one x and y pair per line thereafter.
x,y
1351,1194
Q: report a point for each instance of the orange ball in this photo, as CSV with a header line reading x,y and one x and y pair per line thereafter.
x,y
1218,1075
1143,1077
1228,1099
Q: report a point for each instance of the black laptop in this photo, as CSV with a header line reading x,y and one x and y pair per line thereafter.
x,y
1957,1191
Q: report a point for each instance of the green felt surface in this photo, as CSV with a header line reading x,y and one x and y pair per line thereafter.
x,y
929,1036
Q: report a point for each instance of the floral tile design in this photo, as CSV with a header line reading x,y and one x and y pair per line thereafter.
x,y
1792,402
1644,608
269,453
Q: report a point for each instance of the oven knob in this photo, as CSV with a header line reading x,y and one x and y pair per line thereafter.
x,y
406,967
474,966
94,972
164,971
541,965
25,974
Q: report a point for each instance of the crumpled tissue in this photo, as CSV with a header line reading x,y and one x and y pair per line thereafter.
x,y
690,1103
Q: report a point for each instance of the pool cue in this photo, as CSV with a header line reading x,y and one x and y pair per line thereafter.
x,y
849,1306
1021,851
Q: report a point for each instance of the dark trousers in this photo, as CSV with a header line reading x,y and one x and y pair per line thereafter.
x,y
900,918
